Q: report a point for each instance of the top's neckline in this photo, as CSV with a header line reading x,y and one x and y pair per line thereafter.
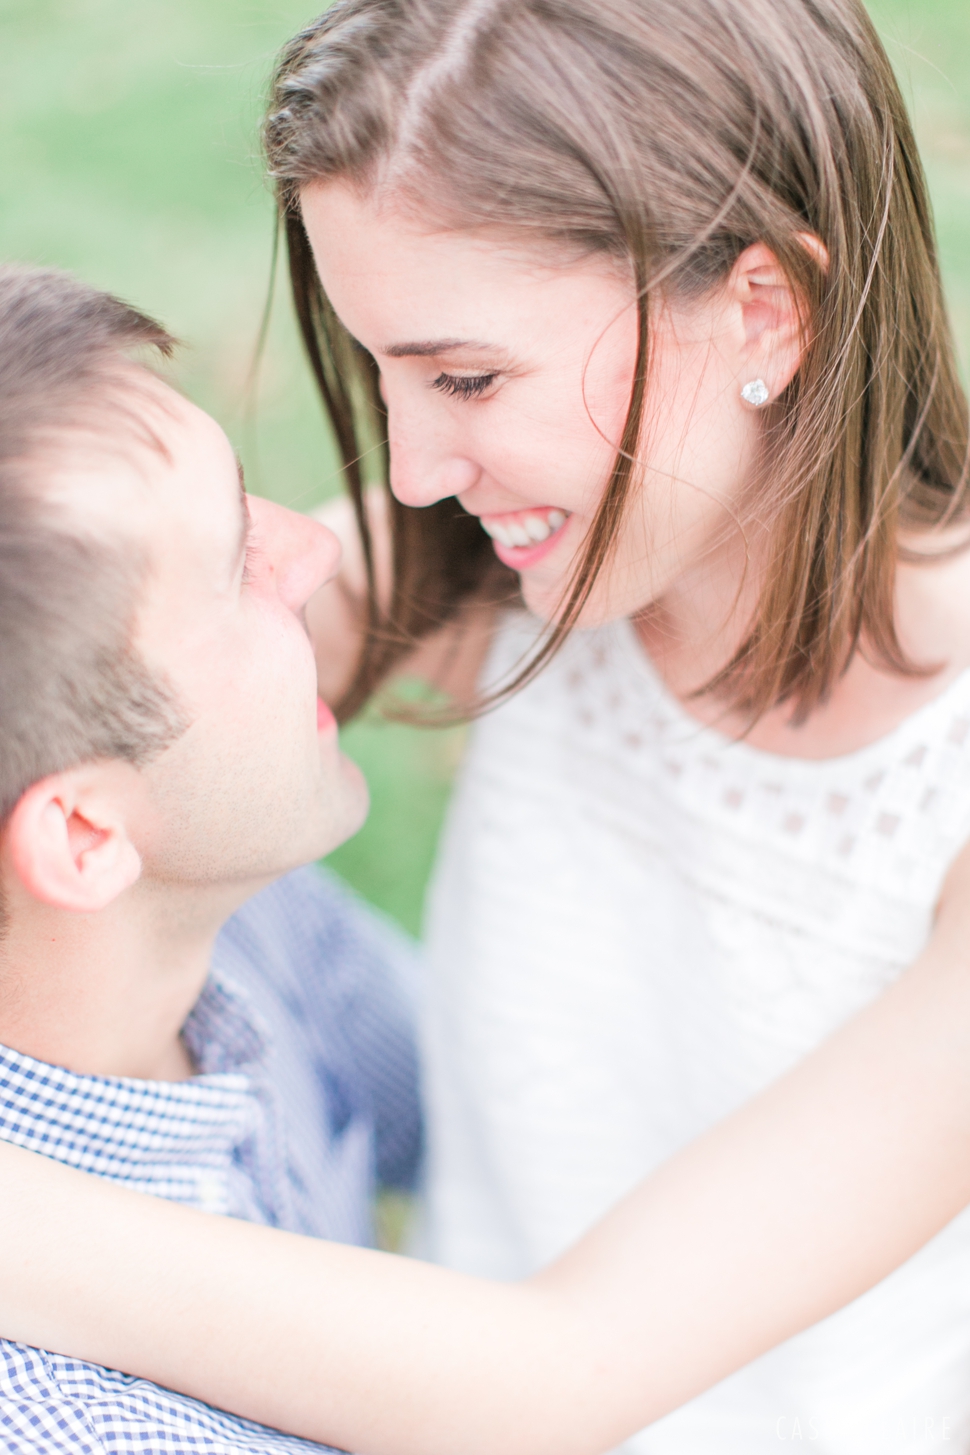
x,y
709,738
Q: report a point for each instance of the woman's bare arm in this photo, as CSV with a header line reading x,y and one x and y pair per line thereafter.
x,y
785,1212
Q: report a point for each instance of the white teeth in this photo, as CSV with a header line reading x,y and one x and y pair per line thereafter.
x,y
527,530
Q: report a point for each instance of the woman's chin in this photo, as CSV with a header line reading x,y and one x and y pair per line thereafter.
x,y
546,602
543,600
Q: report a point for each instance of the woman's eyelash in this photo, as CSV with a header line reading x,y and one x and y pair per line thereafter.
x,y
468,386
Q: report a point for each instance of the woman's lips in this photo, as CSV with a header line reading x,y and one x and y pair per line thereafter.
x,y
522,538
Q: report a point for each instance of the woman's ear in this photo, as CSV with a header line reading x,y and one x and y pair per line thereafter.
x,y
67,841
772,322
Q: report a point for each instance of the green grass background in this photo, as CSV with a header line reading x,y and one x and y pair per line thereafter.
x,y
128,153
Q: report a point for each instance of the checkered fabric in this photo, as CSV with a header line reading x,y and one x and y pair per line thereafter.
x,y
306,1093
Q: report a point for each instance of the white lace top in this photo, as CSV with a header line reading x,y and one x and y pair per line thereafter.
x,y
636,924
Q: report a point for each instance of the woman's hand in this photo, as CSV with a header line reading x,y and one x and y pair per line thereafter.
x,y
449,660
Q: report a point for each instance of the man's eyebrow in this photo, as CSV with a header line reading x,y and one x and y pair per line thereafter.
x,y
428,348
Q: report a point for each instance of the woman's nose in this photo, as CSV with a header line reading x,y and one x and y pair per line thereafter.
x,y
427,464
417,482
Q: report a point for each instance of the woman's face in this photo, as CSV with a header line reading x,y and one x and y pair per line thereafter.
x,y
507,382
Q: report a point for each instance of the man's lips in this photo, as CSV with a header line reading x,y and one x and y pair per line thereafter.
x,y
325,718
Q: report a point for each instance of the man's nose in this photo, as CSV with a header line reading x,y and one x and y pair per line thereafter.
x,y
303,553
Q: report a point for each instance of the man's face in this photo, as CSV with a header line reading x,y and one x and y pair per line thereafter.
x,y
256,785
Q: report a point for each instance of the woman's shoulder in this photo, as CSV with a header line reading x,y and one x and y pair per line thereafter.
x,y
933,600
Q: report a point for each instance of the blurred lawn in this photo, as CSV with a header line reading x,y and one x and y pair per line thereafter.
x,y
129,154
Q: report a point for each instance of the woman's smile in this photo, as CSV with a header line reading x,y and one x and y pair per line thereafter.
x,y
523,538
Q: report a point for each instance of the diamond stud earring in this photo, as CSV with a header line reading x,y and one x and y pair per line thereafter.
x,y
755,393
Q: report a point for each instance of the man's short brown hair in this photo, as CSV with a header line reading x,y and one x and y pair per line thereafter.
x,y
72,687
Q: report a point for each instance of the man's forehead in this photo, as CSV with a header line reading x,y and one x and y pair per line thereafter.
x,y
203,492
172,468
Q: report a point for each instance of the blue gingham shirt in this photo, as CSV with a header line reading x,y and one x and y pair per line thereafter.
x,y
306,1094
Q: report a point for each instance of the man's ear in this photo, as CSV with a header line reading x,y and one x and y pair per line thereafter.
x,y
773,326
68,843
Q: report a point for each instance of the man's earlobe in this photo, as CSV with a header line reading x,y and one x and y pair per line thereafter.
x,y
68,846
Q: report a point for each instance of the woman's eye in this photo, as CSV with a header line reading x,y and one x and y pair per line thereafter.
x,y
463,386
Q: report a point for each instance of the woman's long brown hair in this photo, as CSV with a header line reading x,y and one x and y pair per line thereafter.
x,y
670,134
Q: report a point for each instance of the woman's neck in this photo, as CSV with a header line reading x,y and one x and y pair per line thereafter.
x,y
689,637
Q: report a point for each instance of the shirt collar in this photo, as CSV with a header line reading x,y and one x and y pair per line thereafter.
x,y
173,1138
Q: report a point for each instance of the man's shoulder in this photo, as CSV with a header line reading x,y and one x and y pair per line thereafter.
x,y
52,1405
309,929
307,907
304,895
335,988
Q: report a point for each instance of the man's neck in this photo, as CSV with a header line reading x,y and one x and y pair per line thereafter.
x,y
108,994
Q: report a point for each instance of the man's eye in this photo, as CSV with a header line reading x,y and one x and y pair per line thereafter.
x,y
463,386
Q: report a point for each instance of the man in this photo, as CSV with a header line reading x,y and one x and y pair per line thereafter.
x,y
164,757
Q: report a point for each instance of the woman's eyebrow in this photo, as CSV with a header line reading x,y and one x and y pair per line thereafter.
x,y
427,348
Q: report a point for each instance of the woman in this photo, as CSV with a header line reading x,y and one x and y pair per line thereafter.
x,y
650,290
